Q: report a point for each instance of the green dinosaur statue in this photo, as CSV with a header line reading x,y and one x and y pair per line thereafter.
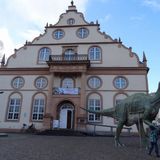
x,y
135,109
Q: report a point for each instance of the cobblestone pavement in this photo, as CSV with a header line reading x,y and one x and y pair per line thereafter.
x,y
36,147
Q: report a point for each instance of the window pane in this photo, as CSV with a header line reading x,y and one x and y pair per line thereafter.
x,y
120,83
41,82
38,109
14,109
95,54
58,34
44,54
83,33
94,104
94,82
18,82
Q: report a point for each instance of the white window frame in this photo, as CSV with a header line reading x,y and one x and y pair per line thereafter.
x,y
83,33
41,82
94,82
58,34
38,109
95,105
18,82
44,54
69,54
95,54
120,82
14,109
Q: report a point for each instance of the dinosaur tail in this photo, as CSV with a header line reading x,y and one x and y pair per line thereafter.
x,y
110,112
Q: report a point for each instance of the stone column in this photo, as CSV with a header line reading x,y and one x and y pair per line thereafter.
x,y
50,90
83,93
48,117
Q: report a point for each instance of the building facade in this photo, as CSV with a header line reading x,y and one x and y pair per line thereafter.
x,y
71,65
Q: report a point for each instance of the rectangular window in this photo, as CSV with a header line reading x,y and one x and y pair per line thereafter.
x,y
14,109
38,109
95,105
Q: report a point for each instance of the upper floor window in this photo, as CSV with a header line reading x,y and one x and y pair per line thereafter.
x,y
58,34
68,83
18,82
71,21
120,82
69,54
94,82
41,82
95,53
14,107
82,33
44,54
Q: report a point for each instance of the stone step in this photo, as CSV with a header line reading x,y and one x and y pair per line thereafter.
x,y
61,132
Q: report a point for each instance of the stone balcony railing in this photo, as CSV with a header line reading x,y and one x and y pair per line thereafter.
x,y
69,59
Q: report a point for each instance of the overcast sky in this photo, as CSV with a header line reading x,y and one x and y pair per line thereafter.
x,y
136,22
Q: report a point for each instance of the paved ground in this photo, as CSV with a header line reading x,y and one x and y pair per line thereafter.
x,y
38,147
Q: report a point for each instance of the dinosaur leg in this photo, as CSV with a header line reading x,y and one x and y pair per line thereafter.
x,y
117,135
142,133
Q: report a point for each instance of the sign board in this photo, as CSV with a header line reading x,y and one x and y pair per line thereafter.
x,y
66,91
55,123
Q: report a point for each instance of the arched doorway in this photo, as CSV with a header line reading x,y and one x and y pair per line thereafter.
x,y
66,116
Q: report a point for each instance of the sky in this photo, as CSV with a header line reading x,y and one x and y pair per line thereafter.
x,y
136,22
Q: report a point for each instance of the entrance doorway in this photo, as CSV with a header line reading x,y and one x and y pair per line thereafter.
x,y
66,116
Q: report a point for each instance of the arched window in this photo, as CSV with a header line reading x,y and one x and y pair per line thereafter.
x,y
94,103
44,54
68,83
14,107
69,54
95,53
38,107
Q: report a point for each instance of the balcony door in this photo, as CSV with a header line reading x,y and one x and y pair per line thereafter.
x,y
66,116
69,54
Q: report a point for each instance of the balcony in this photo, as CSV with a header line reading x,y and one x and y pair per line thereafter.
x,y
68,63
66,91
69,59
